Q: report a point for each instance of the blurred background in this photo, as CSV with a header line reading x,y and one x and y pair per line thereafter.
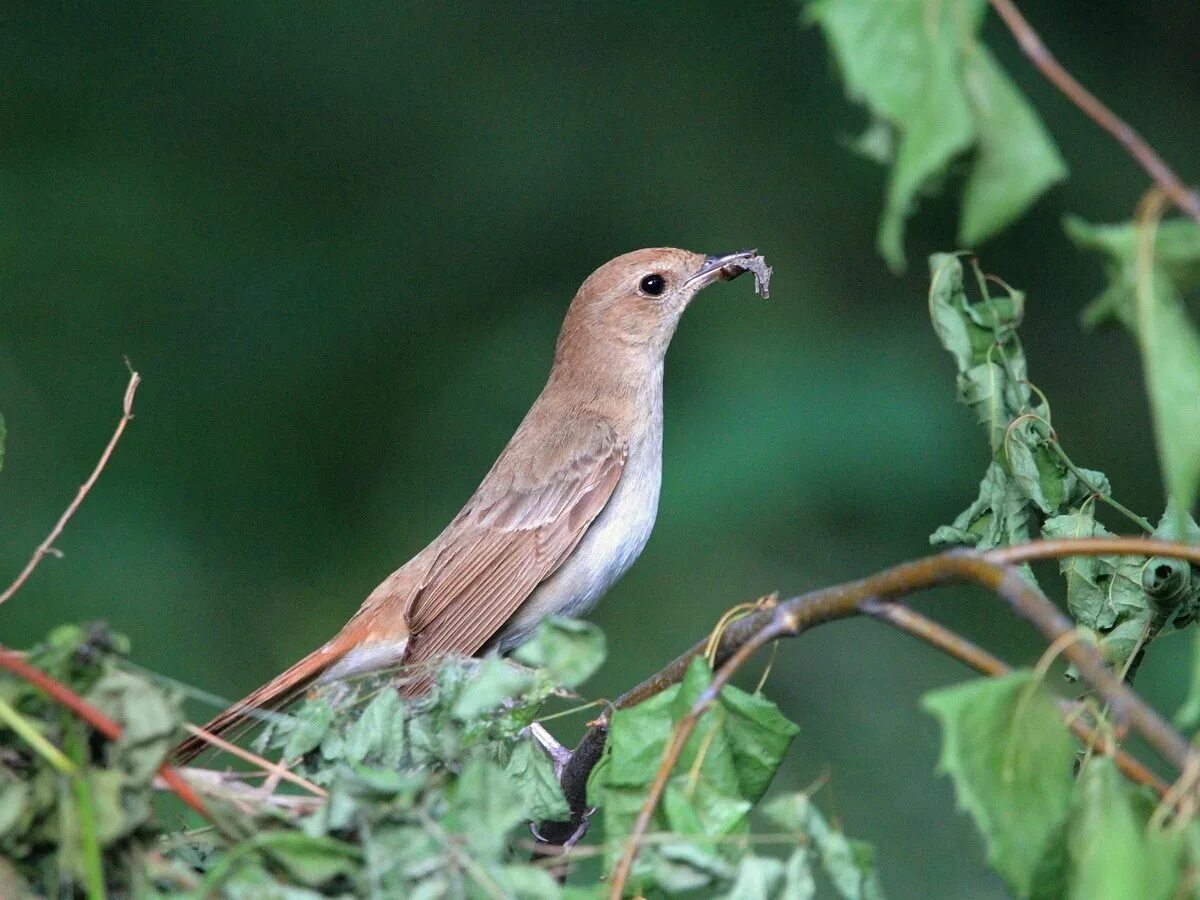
x,y
337,242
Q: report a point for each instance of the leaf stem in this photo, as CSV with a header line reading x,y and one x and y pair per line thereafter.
x,y
35,739
85,808
1124,510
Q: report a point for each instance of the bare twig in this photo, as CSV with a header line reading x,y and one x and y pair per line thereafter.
x,y
1000,576
1031,45
277,770
955,645
64,695
46,547
231,786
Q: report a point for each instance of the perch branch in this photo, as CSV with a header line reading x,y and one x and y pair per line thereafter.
x,y
952,644
1001,576
46,547
102,723
1031,45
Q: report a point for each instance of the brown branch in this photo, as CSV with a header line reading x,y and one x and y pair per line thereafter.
x,y
1103,546
72,701
590,749
46,547
798,614
1154,165
955,645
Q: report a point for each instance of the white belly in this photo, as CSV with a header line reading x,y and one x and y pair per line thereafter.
x,y
609,547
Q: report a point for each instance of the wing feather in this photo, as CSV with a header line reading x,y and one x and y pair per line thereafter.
x,y
505,545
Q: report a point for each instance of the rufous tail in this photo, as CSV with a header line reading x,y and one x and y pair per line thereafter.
x,y
272,695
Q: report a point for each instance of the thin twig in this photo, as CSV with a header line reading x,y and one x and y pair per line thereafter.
x,y
275,769
955,645
223,783
46,547
1031,45
102,723
842,601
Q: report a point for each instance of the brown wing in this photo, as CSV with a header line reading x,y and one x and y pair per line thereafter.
x,y
510,538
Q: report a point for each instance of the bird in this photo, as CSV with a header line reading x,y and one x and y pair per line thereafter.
x,y
563,513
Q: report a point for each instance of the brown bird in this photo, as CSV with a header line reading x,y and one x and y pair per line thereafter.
x,y
564,511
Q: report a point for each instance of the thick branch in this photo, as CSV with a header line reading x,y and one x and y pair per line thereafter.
x,y
1031,45
953,644
798,614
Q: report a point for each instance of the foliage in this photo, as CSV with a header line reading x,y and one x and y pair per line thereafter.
x,y
1150,268
1031,487
432,797
1049,833
426,798
936,93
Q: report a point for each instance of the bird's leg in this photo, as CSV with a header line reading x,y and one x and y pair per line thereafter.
x,y
559,836
557,752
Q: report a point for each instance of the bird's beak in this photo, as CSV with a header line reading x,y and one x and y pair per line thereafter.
x,y
720,268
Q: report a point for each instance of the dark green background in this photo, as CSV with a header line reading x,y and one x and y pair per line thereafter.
x,y
337,241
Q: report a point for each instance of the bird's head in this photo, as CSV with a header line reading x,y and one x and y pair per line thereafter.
x,y
635,301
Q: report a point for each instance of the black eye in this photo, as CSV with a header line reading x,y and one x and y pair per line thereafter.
x,y
653,284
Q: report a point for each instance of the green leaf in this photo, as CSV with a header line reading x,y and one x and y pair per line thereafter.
x,y
798,882
486,806
569,650
312,861
3,436
849,864
1016,159
1188,716
308,727
687,866
533,774
1006,748
377,734
1112,853
756,878
494,682
147,718
918,65
525,882
759,736
1150,303
725,764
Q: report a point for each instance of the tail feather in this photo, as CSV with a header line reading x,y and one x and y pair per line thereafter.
x,y
272,695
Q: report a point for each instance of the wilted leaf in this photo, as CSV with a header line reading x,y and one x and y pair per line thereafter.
x,y
919,66
1006,748
1100,589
